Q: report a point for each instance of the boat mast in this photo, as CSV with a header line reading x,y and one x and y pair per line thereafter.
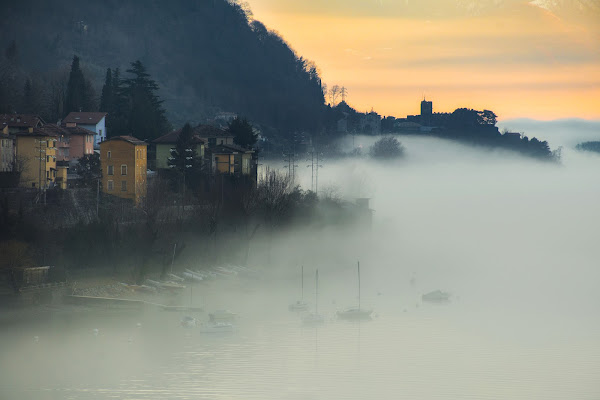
x,y
302,279
358,285
317,294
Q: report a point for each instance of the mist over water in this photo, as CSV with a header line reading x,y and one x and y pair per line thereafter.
x,y
513,240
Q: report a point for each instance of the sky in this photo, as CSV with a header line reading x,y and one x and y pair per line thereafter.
x,y
522,59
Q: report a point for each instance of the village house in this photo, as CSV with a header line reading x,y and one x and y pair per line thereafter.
x,y
81,143
234,160
166,144
36,156
20,122
123,160
92,121
213,135
371,123
7,150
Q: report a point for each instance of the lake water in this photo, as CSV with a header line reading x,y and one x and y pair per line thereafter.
x,y
515,242
468,348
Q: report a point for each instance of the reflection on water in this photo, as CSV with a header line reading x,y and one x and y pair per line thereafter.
x,y
451,351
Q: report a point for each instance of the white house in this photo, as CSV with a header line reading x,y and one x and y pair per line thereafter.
x,y
92,121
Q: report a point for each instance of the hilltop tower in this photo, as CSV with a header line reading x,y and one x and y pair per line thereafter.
x,y
426,111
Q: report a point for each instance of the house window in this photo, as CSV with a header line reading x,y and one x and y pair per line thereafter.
x,y
123,186
110,170
123,169
108,154
110,186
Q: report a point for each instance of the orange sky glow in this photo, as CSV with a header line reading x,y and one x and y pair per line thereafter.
x,y
519,60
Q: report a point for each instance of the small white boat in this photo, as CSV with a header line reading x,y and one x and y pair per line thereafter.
x,y
172,286
176,278
314,318
216,327
221,316
437,296
188,322
355,313
300,305
192,276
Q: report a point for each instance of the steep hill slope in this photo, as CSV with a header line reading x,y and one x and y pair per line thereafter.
x,y
206,55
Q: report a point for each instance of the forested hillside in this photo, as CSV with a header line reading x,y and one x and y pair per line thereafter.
x,y
206,56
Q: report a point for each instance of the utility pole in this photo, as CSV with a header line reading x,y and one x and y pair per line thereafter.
x,y
315,160
97,196
291,167
173,259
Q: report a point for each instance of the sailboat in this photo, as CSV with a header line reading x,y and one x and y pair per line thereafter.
x,y
315,318
355,312
300,305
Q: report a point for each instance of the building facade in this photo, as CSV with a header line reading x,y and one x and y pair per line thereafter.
x,y
92,121
36,158
7,150
123,160
166,143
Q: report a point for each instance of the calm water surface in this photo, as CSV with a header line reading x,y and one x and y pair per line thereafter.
x,y
469,348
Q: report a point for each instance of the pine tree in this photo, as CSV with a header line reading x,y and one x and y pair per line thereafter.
x,y
184,152
106,100
75,88
243,134
118,115
28,100
184,159
147,118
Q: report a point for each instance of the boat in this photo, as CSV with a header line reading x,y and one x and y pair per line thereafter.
x,y
188,322
356,312
221,316
216,327
176,278
300,305
192,276
315,317
437,296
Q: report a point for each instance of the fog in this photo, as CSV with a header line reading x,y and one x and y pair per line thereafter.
x,y
511,239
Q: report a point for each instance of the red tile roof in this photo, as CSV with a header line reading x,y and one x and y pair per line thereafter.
x,y
77,130
86,118
20,120
201,132
229,149
171,138
127,138
43,131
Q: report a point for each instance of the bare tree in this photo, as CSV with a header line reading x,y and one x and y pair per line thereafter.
x,y
334,92
343,93
273,194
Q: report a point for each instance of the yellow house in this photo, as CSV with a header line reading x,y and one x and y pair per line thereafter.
x,y
7,150
36,157
234,160
123,160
